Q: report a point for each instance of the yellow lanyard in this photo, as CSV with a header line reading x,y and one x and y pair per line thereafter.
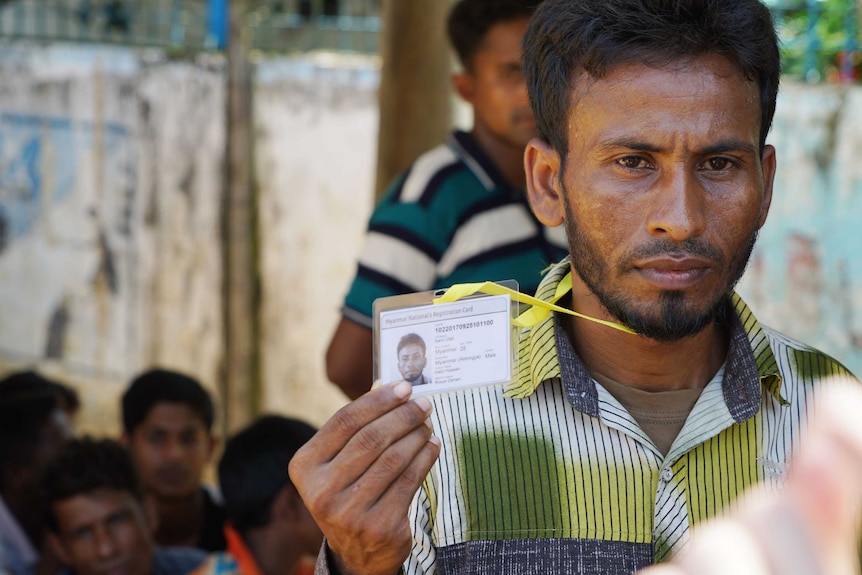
x,y
540,308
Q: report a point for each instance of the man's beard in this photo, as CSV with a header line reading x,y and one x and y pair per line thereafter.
x,y
676,318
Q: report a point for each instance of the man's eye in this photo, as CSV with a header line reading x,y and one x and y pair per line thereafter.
x,y
632,162
156,439
188,439
513,72
82,534
718,163
119,518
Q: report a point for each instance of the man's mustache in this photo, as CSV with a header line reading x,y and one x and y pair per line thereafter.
x,y
691,247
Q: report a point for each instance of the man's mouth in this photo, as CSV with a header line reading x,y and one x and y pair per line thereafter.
x,y
172,474
673,273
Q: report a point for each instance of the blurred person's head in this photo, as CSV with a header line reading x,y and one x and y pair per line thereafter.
x,y
97,520
33,427
30,383
260,501
167,427
486,35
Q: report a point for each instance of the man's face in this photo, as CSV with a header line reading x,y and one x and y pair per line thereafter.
x,y
104,532
495,85
663,192
411,361
170,449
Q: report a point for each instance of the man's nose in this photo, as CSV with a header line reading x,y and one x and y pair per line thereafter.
x,y
677,210
106,547
174,449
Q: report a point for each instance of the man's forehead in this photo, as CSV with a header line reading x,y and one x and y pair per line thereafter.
x,y
706,81
88,509
583,81
173,416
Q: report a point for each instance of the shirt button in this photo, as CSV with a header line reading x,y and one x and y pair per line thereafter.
x,y
666,474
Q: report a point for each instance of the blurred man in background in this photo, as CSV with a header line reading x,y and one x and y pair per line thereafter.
x,y
167,427
98,520
269,529
33,427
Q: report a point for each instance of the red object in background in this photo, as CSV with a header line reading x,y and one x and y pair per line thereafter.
x,y
849,64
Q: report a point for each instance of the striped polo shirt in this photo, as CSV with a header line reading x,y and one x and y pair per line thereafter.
x,y
451,218
550,474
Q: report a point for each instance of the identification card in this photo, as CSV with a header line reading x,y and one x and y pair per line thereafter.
x,y
438,347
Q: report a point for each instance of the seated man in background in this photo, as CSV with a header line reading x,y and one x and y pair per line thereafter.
x,y
33,426
269,529
167,427
98,520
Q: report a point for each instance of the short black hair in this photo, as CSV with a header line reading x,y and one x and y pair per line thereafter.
x,y
29,383
411,338
568,37
85,465
164,386
470,20
253,469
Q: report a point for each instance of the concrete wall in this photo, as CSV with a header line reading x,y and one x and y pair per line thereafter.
x,y
110,171
315,154
111,174
805,277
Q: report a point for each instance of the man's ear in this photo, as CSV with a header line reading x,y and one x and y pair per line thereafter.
x,y
213,445
463,84
542,167
58,548
768,165
286,504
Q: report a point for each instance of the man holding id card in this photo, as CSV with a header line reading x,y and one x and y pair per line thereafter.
x,y
663,398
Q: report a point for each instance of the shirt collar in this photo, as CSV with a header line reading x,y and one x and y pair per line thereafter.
x,y
469,151
542,348
237,548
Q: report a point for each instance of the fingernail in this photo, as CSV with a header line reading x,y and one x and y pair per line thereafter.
x,y
429,424
435,440
402,389
423,403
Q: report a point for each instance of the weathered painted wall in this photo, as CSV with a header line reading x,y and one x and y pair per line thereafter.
x,y
805,277
317,132
111,173
110,169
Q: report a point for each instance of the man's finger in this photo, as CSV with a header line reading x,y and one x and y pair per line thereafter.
x,y
329,441
372,440
397,463
401,490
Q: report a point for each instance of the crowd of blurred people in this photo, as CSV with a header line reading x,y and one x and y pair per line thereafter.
x,y
138,504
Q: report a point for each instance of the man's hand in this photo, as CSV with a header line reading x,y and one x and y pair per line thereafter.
x,y
359,473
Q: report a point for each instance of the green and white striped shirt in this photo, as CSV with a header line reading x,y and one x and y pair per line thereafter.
x,y
550,474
